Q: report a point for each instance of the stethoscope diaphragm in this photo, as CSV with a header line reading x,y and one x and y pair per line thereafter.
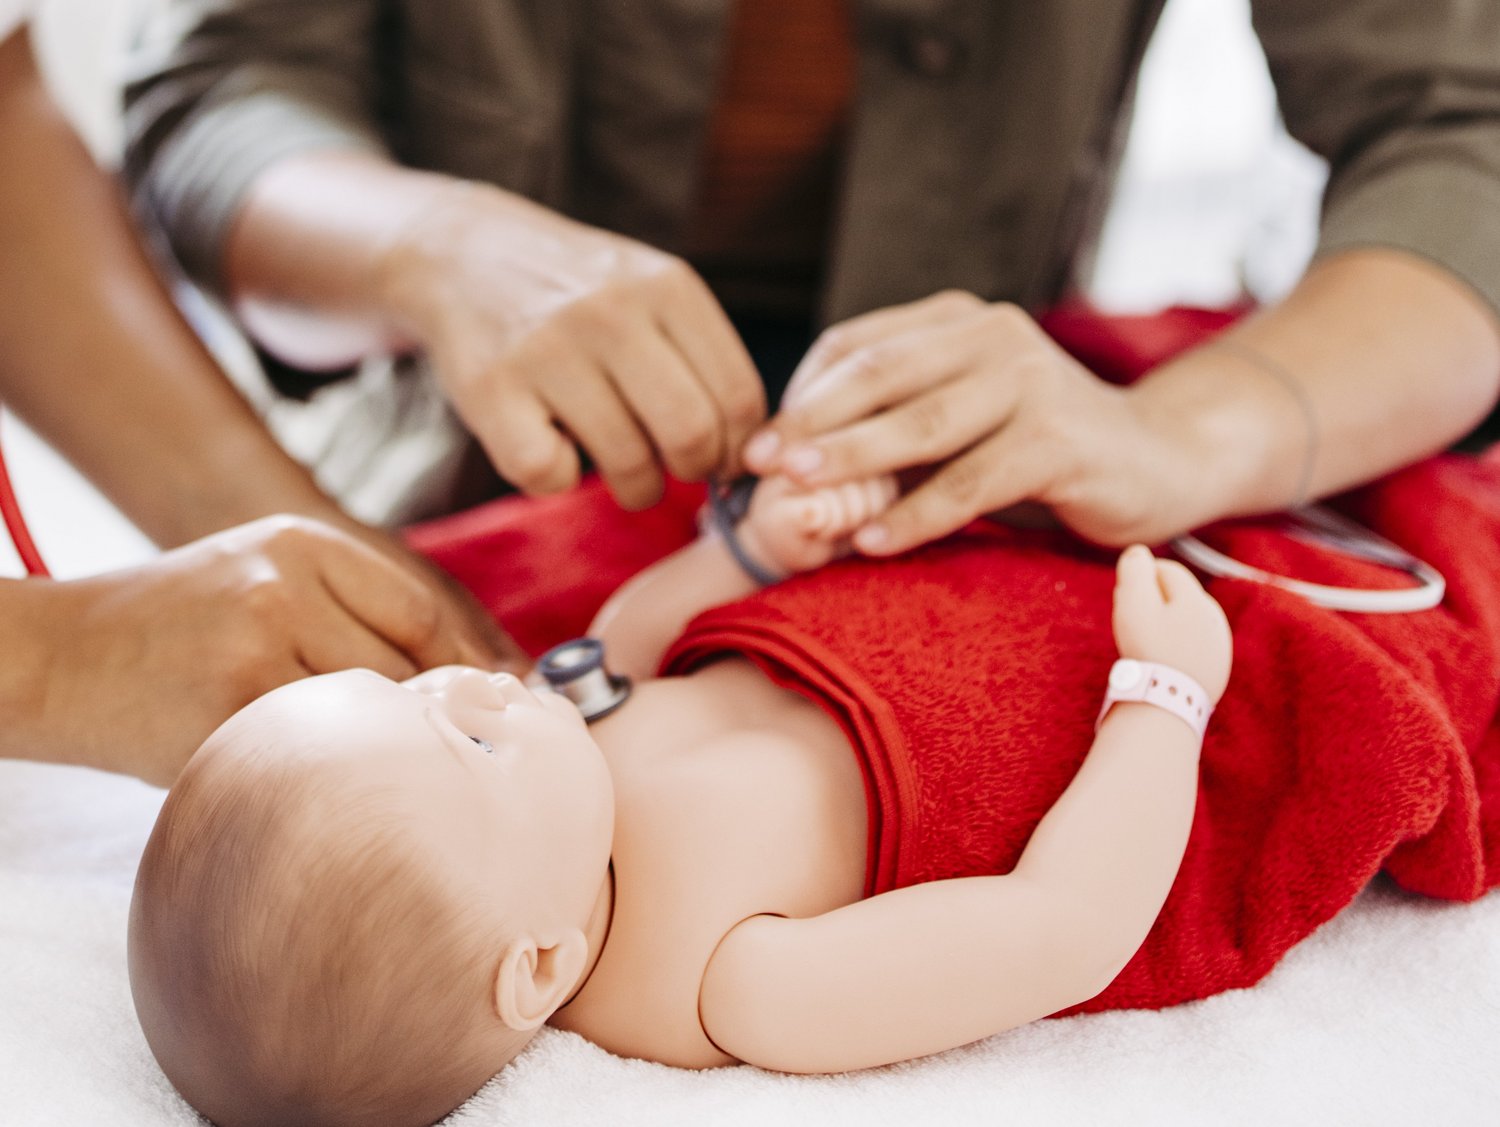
x,y
576,670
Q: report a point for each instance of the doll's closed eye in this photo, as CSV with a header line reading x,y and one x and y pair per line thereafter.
x,y
484,745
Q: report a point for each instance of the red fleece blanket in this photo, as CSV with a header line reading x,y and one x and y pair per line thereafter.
x,y
968,675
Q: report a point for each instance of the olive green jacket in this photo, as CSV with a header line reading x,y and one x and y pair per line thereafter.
x,y
984,136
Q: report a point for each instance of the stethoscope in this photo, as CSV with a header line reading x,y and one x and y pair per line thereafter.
x,y
576,669
15,524
1327,529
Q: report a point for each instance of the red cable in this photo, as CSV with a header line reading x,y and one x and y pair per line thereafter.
x,y
15,523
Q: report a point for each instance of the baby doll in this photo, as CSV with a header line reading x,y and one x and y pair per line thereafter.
x,y
363,898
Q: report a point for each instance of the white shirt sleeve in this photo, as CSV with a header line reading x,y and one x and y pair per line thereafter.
x,y
12,14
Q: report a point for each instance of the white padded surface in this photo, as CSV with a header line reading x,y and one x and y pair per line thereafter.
x,y
1388,1015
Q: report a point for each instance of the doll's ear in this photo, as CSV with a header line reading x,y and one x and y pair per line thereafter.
x,y
533,980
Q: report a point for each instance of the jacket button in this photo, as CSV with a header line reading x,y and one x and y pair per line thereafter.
x,y
933,54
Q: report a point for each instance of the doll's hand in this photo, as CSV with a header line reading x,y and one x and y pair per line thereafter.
x,y
1163,614
790,528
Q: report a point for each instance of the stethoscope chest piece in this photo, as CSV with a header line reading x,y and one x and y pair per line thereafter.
x,y
576,670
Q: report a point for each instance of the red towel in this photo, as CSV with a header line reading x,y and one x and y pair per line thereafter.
x,y
968,676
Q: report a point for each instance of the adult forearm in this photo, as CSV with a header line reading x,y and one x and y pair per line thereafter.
x,y
309,257
543,332
1377,359
95,356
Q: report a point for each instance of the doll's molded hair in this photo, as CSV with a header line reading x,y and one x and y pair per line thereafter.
x,y
296,958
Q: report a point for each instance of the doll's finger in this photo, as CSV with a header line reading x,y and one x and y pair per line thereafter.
x,y
853,508
832,511
1136,576
872,497
883,492
857,503
814,514
1176,581
863,499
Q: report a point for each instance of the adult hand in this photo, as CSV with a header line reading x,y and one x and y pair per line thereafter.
x,y
461,618
978,393
130,671
545,332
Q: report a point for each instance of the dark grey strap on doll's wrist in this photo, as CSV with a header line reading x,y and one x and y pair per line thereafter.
x,y
727,506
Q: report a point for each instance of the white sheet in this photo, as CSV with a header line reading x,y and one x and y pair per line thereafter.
x,y
1389,1015
12,13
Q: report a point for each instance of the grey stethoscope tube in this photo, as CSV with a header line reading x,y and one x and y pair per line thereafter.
x,y
1323,527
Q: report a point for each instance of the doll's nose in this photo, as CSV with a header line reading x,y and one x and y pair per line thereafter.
x,y
473,688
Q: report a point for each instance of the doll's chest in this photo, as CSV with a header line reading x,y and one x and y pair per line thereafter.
x,y
709,831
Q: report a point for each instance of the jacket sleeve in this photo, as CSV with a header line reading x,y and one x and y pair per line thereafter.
x,y
219,90
1403,100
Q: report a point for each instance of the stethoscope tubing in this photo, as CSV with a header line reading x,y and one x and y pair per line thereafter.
x,y
15,524
1328,529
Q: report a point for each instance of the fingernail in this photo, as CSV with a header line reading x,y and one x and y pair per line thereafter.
x,y
804,461
872,538
760,451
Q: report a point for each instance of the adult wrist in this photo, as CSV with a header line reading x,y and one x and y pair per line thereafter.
x,y
1217,439
209,491
423,272
28,634
412,270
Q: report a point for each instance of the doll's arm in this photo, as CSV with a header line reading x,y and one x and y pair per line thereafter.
x,y
786,530
929,967
648,613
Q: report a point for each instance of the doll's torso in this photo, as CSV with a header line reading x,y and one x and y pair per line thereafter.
x,y
733,798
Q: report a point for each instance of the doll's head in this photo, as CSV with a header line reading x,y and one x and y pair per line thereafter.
x,y
362,898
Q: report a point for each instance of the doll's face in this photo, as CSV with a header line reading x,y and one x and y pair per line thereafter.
x,y
506,782
345,843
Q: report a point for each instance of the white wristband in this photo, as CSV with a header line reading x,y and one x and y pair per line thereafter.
x,y
1148,682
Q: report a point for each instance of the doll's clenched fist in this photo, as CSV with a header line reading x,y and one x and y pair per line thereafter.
x,y
790,528
1163,614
